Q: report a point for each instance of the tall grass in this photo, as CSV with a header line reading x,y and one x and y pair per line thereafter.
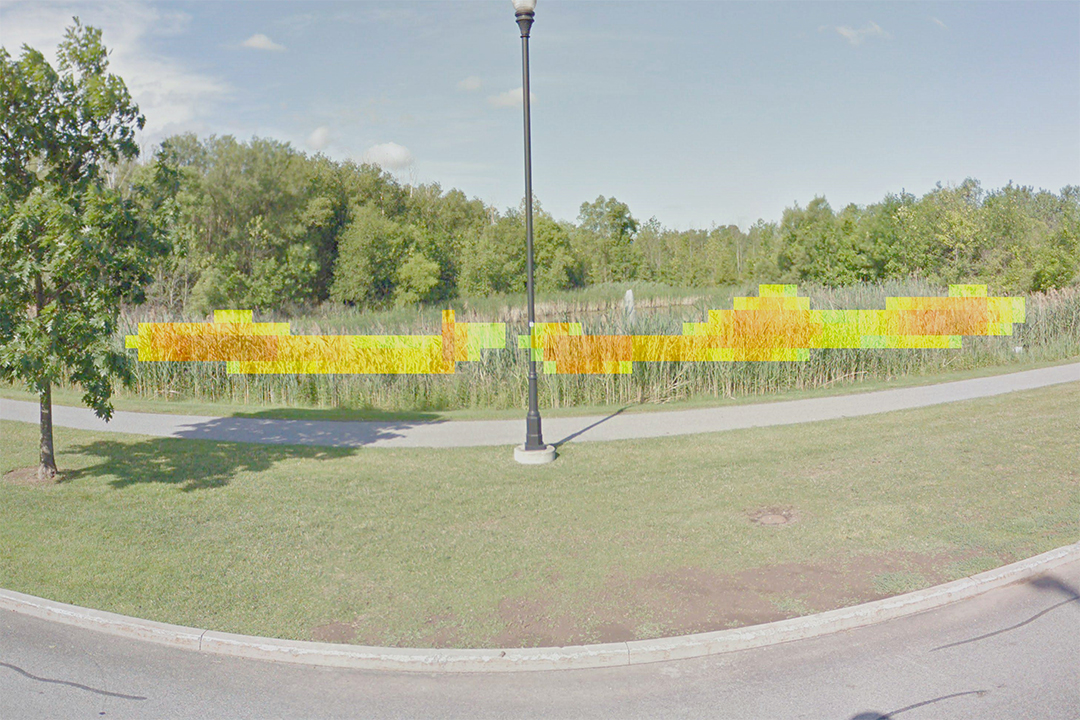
x,y
498,380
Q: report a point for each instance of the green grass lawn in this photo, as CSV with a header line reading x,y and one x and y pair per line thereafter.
x,y
466,548
131,403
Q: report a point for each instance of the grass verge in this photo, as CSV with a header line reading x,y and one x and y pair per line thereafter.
x,y
615,540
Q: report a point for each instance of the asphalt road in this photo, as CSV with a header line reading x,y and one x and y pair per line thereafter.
x,y
1009,653
617,426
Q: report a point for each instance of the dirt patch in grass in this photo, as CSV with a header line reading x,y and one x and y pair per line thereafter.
x,y
687,600
443,632
528,623
335,632
693,600
28,476
774,515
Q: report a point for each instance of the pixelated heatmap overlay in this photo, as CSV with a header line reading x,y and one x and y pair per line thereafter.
x,y
248,347
776,326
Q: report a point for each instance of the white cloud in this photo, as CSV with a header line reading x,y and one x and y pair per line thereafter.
x,y
939,23
389,156
857,37
470,84
172,97
510,98
258,41
319,138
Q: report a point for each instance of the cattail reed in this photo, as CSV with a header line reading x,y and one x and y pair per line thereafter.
x,y
498,380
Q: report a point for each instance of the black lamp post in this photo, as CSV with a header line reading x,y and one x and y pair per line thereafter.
x,y
534,451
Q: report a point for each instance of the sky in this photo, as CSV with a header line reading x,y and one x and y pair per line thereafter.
x,y
695,113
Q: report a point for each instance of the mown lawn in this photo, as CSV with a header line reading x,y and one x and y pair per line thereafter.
x,y
465,547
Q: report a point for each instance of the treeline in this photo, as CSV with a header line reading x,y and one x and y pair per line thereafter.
x,y
259,224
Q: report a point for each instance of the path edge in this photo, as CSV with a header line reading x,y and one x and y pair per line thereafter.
x,y
532,659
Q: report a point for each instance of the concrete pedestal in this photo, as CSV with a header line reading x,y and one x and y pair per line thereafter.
x,y
534,457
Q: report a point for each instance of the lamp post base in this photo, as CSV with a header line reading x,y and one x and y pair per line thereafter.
x,y
541,456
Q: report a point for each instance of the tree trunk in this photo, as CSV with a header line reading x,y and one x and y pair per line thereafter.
x,y
47,466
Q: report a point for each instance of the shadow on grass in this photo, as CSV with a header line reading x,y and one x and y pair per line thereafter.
x,y
189,465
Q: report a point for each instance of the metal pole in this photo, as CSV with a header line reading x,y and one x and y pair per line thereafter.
x,y
533,436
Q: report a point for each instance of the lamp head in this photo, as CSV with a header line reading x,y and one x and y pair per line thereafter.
x,y
524,10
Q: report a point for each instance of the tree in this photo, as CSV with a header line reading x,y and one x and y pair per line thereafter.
x,y
763,242
555,267
883,226
417,279
817,244
605,239
494,261
951,217
71,248
370,253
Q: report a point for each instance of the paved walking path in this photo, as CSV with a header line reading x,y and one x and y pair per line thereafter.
x,y
461,433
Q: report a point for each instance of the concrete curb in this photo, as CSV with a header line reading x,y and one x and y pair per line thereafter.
x,y
524,659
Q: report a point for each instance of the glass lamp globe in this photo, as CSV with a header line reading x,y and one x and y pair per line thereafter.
x,y
524,6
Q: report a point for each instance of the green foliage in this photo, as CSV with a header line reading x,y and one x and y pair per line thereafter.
x,y
1014,239
371,250
556,268
210,293
885,229
1054,267
604,240
269,222
71,248
272,224
820,246
494,261
417,278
